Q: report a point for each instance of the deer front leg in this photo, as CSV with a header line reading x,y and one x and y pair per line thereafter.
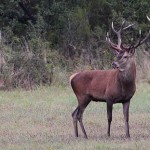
x,y
109,116
126,117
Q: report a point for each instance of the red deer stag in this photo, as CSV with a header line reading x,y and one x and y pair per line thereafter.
x,y
111,86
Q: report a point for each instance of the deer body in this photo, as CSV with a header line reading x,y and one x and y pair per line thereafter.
x,y
105,85
111,86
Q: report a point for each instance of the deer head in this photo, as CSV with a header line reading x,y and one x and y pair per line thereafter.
x,y
124,54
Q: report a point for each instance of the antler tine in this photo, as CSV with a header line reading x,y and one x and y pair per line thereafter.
x,y
112,26
107,37
118,35
111,43
128,26
148,18
123,23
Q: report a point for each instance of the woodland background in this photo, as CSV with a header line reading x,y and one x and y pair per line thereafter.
x,y
42,42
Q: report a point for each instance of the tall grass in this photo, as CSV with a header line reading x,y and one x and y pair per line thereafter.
x,y
41,119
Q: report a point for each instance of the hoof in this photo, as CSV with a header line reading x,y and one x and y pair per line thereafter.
x,y
85,137
127,137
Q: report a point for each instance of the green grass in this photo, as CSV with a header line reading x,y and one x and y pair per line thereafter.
x,y
41,119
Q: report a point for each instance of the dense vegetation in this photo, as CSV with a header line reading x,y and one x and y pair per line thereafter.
x,y
42,41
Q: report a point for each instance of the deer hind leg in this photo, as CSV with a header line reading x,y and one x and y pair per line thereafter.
x,y
82,105
75,123
109,116
126,117
78,115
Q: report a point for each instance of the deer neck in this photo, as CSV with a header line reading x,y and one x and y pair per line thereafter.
x,y
129,74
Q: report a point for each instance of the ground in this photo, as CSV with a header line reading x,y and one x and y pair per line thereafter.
x,y
41,119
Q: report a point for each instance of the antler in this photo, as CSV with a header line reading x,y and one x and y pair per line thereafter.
x,y
117,46
141,41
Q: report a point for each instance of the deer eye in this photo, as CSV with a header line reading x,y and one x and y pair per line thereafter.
x,y
119,57
125,57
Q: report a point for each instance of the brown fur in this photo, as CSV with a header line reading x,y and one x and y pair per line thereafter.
x,y
110,86
104,85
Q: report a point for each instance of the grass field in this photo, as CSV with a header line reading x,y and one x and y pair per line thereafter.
x,y
41,120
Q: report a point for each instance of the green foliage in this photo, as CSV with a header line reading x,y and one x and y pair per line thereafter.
x,y
36,34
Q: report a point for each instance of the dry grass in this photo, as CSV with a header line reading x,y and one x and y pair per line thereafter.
x,y
41,120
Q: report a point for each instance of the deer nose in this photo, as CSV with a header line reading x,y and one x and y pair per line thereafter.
x,y
115,65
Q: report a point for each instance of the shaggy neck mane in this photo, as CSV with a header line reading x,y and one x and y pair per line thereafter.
x,y
129,74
